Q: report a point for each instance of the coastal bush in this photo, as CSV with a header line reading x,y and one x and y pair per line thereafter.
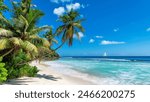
x,y
20,58
18,66
12,72
3,72
27,70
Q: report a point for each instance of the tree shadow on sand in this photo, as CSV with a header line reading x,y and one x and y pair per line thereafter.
x,y
49,77
26,80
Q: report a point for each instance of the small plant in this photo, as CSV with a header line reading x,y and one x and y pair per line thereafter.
x,y
3,72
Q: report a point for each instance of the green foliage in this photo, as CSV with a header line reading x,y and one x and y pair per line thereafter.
x,y
47,54
19,66
12,72
71,25
50,37
27,70
3,72
20,57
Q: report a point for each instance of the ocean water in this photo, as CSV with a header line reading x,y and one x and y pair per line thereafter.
x,y
108,70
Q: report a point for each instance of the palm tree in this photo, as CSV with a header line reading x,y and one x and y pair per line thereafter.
x,y
21,31
50,37
71,26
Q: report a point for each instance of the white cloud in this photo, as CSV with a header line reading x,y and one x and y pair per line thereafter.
x,y
91,41
58,1
148,29
59,11
73,6
65,0
105,42
55,1
99,36
81,35
116,30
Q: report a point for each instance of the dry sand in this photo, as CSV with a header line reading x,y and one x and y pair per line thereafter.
x,y
48,76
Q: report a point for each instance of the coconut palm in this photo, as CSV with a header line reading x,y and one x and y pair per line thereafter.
x,y
71,26
21,31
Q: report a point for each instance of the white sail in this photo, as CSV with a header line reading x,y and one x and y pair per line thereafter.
x,y
105,54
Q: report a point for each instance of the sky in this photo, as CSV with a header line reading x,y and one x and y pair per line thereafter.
x,y
118,27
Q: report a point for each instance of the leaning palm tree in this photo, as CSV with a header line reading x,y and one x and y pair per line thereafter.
x,y
70,27
21,31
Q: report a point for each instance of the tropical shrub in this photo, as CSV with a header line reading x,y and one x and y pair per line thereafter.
x,y
3,72
18,65
27,70
12,72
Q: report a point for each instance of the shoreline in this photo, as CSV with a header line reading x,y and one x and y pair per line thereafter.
x,y
47,75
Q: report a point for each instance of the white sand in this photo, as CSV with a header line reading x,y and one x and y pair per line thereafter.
x,y
48,76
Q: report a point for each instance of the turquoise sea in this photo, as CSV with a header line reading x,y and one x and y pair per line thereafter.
x,y
109,70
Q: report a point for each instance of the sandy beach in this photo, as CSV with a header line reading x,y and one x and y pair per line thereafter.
x,y
47,76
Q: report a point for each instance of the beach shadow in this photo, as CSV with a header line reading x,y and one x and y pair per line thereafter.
x,y
26,80
49,77
17,82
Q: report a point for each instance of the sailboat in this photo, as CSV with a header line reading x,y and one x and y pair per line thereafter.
x,y
105,54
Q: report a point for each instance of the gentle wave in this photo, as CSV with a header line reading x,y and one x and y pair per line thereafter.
x,y
105,71
99,59
118,60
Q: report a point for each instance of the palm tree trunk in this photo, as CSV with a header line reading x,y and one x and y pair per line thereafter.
x,y
59,46
7,53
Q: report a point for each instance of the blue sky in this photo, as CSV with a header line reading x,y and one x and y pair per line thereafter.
x,y
118,27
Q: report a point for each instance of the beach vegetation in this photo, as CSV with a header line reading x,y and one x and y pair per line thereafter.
x,y
18,65
20,40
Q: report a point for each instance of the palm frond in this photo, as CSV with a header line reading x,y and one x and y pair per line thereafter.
x,y
79,26
20,23
77,34
5,21
64,18
15,41
26,24
5,33
26,45
38,30
33,36
73,14
45,43
4,44
33,18
60,29
55,41
80,20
